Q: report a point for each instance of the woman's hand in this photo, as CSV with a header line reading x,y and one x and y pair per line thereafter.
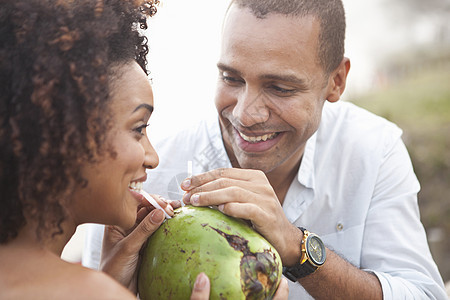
x,y
282,291
120,251
202,288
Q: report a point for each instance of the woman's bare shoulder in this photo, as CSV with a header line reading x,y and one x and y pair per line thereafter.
x,y
89,284
62,280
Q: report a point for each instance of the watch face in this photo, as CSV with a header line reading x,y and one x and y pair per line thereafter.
x,y
316,249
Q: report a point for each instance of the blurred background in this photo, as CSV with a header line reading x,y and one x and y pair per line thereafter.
x,y
400,55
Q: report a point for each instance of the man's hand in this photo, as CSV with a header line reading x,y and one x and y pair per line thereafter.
x,y
120,251
247,194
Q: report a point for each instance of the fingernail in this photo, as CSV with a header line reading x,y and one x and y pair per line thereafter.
x,y
186,183
175,204
157,216
200,282
186,198
195,199
220,207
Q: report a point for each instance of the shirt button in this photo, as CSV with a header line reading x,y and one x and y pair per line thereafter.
x,y
339,226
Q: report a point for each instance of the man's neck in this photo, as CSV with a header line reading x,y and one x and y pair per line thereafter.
x,y
281,177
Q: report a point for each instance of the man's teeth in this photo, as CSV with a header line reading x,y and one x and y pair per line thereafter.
x,y
255,139
137,186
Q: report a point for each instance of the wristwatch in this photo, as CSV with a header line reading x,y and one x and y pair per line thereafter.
x,y
313,256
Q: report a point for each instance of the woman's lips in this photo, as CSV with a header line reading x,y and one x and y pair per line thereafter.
x,y
136,195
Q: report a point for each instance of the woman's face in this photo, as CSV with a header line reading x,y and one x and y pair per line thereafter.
x,y
108,197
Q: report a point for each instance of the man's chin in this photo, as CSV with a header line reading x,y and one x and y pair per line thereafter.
x,y
253,163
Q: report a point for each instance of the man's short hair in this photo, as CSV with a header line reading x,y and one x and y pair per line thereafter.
x,y
329,13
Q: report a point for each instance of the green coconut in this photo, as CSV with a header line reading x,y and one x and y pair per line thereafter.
x,y
239,262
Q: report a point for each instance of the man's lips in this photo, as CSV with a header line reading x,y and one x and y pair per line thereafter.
x,y
256,142
258,138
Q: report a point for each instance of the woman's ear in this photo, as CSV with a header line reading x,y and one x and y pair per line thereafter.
x,y
338,80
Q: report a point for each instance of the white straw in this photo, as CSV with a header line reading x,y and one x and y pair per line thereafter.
x,y
189,168
153,202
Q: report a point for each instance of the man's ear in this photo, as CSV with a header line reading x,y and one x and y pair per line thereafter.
x,y
338,80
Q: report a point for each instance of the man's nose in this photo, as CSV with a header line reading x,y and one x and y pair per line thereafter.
x,y
251,108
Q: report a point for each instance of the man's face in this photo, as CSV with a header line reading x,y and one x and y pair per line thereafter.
x,y
271,88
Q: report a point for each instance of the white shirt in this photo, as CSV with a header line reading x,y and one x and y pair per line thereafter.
x,y
355,188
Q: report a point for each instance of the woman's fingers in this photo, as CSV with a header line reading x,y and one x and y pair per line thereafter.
x,y
137,237
157,201
282,291
201,288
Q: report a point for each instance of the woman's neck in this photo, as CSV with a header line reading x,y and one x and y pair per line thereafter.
x,y
55,243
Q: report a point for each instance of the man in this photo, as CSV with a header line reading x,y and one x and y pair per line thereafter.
x,y
291,159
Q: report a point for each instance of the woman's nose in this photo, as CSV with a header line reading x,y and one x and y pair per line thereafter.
x,y
151,159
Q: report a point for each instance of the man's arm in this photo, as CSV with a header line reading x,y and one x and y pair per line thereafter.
x,y
247,194
338,279
393,260
395,246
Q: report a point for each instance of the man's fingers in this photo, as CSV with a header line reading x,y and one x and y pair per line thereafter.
x,y
244,211
230,173
216,197
223,183
201,288
282,291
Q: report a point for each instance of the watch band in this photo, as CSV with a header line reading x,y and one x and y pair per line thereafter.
x,y
300,270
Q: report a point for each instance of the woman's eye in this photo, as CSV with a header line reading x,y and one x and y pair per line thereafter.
x,y
141,129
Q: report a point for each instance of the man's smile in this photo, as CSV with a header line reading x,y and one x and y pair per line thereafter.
x,y
256,139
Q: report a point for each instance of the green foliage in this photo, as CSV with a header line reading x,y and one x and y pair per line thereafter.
x,y
420,100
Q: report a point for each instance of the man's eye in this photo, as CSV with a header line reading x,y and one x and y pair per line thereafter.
x,y
281,90
225,76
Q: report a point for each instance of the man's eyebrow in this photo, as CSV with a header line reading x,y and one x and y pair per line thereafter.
x,y
286,78
224,67
144,105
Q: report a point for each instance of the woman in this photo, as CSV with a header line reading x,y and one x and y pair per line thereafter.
x,y
74,107
75,104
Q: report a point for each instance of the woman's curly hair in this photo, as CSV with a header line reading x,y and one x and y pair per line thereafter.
x,y
55,62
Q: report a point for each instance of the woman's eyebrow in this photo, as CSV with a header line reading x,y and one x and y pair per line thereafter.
x,y
144,105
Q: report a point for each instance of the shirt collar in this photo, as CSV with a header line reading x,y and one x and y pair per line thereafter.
x,y
306,171
221,159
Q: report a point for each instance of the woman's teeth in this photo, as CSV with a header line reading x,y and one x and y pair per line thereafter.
x,y
136,186
256,139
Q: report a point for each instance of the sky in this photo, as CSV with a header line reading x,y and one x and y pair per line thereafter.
x,y
184,42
